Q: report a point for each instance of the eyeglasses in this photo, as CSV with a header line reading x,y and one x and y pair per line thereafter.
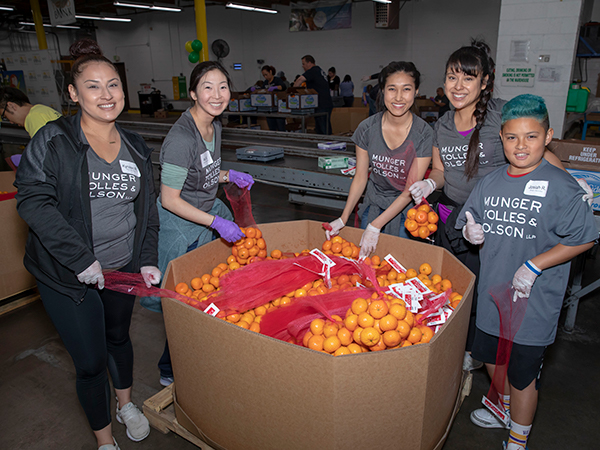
x,y
4,112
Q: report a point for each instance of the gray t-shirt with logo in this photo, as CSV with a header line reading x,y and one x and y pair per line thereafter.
x,y
390,167
184,147
453,150
523,217
113,188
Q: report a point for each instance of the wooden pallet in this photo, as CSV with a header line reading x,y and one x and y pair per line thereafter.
x,y
160,412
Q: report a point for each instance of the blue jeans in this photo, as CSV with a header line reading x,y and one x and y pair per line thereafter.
x,y
403,233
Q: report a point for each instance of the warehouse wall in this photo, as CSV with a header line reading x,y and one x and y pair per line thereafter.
x,y
152,45
552,28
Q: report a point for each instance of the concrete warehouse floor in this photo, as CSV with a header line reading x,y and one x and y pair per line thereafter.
x,y
40,408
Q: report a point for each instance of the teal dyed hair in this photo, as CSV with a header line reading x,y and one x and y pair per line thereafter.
x,y
528,106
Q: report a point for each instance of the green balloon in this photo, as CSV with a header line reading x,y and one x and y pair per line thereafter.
x,y
188,46
197,45
194,57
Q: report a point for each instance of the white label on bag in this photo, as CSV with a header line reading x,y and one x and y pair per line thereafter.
x,y
395,264
322,257
212,309
501,415
418,285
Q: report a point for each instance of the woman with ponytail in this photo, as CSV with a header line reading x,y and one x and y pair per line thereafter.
x,y
466,147
86,190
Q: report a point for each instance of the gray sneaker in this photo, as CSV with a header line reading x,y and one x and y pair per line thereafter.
x,y
471,364
138,427
114,446
485,419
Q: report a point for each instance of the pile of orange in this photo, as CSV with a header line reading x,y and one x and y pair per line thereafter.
x,y
371,324
422,221
398,323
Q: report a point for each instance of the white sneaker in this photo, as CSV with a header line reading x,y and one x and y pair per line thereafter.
x,y
471,364
114,446
138,427
512,446
166,381
485,419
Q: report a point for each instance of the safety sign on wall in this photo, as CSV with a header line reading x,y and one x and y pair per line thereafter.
x,y
518,75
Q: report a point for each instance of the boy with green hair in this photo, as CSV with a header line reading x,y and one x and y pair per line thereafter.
x,y
530,221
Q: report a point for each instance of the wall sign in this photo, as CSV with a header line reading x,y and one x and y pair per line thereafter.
x,y
518,75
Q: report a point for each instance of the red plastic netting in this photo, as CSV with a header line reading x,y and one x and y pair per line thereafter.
x,y
134,284
433,304
294,320
263,281
511,317
241,204
401,173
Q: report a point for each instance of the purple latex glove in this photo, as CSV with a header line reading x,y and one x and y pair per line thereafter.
x,y
253,88
227,229
272,88
241,179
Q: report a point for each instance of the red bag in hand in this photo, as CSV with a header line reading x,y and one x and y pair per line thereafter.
x,y
241,204
134,284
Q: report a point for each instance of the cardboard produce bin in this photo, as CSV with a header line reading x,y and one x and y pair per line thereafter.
x,y
14,278
241,390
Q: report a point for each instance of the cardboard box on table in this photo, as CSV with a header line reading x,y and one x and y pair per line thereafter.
x,y
237,389
299,98
582,160
14,278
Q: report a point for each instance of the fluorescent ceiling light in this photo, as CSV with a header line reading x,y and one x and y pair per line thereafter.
x,y
107,18
31,24
151,7
251,8
383,1
7,8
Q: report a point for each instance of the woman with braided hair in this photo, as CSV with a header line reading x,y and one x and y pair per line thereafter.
x,y
466,147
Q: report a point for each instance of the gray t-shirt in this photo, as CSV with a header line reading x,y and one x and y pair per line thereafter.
x,y
453,150
523,217
390,166
113,189
184,147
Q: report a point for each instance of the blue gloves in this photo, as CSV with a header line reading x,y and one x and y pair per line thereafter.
x,y
227,229
272,88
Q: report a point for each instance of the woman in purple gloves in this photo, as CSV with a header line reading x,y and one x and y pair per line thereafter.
x,y
273,84
189,210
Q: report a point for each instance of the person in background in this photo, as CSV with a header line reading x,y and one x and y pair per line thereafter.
x,y
281,75
535,254
474,126
316,79
334,82
189,210
273,84
17,109
442,101
390,142
347,91
80,224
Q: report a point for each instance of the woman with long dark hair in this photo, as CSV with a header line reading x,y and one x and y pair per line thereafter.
x,y
389,142
86,190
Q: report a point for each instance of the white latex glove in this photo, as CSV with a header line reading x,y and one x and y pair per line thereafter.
x,y
92,275
472,231
422,189
368,241
523,280
336,226
589,194
151,275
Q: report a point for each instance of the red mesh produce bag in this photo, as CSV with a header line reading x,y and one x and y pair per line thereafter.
x,y
241,204
264,281
400,179
511,316
293,321
432,304
134,284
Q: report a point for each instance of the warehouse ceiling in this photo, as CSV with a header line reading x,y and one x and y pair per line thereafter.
x,y
105,7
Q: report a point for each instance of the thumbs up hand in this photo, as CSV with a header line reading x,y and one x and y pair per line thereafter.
x,y
473,232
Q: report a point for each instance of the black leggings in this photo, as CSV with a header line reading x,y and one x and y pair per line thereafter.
x,y
96,335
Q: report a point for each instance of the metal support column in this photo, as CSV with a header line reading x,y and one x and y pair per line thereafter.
x,y
201,31
39,24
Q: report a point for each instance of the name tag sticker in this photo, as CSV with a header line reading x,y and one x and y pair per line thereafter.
x,y
536,188
206,159
130,168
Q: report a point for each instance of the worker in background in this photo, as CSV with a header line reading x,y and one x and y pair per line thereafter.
x,y
347,91
17,109
442,101
273,83
334,82
316,79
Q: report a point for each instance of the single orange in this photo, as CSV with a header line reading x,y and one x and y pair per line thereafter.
x,y
421,217
378,347
331,344
406,344
351,322
391,338
253,251
234,265
345,336
243,253
415,335
196,283
206,278
214,281
342,351
216,272
425,268
250,232
222,266
375,260
411,224
398,310
359,305
316,326
336,247
276,254
261,244
326,246
423,232
316,342
230,259
378,309
337,240
436,279
300,293
409,318
330,329
243,324
432,217
411,273
446,284
411,213
370,336
356,335
403,328
354,348
306,337
425,208
388,323
182,288
255,326
427,333
365,320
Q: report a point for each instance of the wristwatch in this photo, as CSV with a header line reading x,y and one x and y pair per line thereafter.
x,y
225,178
